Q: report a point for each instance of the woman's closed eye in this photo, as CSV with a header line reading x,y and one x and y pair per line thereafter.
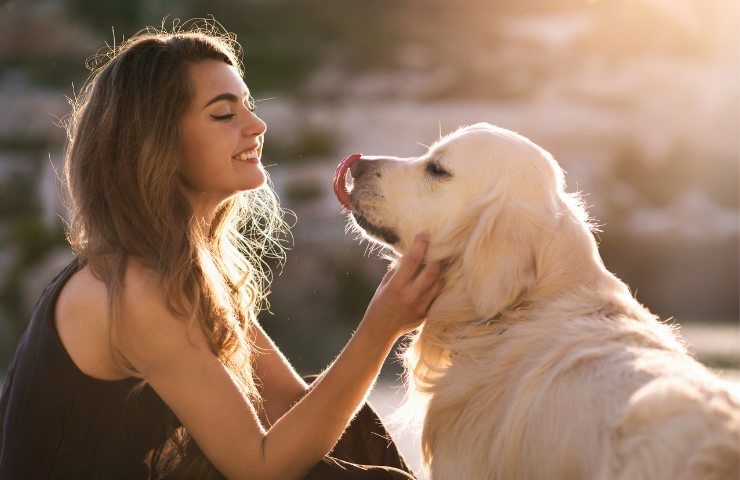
x,y
250,105
227,116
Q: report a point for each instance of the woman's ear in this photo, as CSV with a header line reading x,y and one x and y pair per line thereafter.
x,y
500,259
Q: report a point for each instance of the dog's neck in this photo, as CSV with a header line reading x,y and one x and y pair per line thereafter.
x,y
559,295
516,309
455,332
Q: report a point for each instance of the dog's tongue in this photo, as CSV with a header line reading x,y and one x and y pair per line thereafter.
x,y
340,185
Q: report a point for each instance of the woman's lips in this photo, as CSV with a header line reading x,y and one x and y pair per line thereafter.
x,y
248,156
340,184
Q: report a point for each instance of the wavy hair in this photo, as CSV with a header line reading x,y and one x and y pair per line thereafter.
x,y
125,203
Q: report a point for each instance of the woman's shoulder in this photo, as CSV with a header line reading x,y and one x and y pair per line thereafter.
x,y
82,323
143,290
151,333
144,297
144,322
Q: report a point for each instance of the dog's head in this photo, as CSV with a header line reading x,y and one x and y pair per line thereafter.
x,y
490,200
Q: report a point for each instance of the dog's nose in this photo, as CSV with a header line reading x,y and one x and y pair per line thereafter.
x,y
358,167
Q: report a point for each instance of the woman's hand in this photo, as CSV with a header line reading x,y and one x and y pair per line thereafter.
x,y
403,298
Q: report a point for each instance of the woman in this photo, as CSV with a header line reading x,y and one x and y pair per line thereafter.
x,y
144,357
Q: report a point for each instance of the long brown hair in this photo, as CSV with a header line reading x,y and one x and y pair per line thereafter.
x,y
125,202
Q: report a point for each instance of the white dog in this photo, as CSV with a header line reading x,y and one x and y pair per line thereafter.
x,y
535,362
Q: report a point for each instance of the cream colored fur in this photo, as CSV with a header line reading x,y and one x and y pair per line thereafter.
x,y
535,361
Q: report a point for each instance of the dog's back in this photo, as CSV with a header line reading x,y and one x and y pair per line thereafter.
x,y
607,398
683,426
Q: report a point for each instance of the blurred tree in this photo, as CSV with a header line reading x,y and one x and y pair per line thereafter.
x,y
123,15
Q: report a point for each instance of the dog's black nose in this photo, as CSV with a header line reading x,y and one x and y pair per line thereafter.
x,y
358,167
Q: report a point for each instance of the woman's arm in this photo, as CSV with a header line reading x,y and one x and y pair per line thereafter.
x,y
280,387
179,366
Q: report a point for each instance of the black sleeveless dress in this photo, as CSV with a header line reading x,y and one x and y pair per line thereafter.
x,y
58,423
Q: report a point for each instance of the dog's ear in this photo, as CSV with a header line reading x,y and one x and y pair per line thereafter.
x,y
500,259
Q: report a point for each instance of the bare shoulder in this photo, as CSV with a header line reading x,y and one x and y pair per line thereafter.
x,y
82,323
148,335
178,364
151,336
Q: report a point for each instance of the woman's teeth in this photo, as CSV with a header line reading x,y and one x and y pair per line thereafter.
x,y
249,155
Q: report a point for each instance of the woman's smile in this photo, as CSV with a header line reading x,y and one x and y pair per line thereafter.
x,y
220,123
249,156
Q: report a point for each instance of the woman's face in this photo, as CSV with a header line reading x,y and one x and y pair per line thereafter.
x,y
222,138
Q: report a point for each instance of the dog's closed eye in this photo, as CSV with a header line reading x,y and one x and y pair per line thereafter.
x,y
434,169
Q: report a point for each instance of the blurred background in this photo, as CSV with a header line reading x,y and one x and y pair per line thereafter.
x,y
638,100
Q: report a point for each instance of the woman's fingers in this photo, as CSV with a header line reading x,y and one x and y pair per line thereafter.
x,y
428,297
412,259
388,276
426,278
414,280
406,291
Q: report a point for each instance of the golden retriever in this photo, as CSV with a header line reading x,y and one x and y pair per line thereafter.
x,y
535,361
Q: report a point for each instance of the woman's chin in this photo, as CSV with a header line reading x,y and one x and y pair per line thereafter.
x,y
252,181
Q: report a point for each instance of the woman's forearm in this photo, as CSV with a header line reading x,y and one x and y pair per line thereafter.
x,y
309,430
280,386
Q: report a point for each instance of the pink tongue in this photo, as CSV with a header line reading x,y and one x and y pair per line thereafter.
x,y
340,186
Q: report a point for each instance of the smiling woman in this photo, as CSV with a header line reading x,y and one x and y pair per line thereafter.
x,y
144,357
220,124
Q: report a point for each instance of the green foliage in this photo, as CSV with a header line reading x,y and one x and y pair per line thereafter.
x,y
354,291
283,41
55,71
303,191
33,240
309,144
25,143
26,235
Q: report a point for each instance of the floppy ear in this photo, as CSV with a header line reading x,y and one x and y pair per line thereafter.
x,y
500,259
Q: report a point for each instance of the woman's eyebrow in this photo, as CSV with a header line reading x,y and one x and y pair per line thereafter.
x,y
224,96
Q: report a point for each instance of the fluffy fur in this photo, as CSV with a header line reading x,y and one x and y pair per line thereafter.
x,y
535,361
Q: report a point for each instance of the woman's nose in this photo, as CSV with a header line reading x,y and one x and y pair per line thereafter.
x,y
254,125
